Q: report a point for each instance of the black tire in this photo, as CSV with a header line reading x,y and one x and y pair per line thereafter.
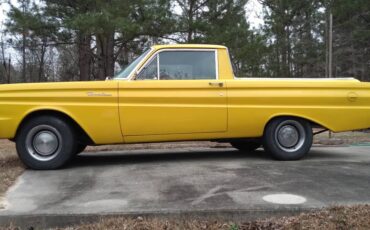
x,y
80,148
288,139
45,143
246,146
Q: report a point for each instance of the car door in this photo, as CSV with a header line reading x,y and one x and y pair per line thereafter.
x,y
177,92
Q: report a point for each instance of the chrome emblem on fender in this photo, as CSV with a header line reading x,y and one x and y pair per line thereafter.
x,y
95,94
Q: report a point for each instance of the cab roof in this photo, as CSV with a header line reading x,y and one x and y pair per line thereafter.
x,y
189,46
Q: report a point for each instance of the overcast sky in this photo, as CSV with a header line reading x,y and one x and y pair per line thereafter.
x,y
254,13
3,9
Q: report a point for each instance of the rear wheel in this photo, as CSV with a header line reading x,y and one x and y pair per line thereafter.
x,y
288,138
46,142
246,146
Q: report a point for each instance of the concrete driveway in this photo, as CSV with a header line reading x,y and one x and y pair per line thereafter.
x,y
194,180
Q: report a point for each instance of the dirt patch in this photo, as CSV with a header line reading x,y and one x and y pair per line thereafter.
x,y
169,145
10,166
2,203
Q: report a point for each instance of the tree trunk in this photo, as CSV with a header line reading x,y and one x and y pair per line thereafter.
x,y
42,60
4,61
24,57
190,21
84,57
277,56
110,55
105,55
289,53
9,67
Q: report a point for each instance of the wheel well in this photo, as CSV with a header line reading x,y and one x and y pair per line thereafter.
x,y
83,137
313,124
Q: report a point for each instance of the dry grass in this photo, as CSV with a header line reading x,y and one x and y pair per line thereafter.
x,y
151,223
346,138
355,217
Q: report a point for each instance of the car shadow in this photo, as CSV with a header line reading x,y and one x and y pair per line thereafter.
x,y
167,155
142,156
318,154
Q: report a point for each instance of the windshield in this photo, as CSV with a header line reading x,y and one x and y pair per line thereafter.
x,y
125,73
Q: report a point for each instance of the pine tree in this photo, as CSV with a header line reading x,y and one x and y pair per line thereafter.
x,y
226,23
351,35
27,22
296,35
190,21
111,25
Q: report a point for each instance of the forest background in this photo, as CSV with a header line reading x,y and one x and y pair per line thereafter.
x,y
73,40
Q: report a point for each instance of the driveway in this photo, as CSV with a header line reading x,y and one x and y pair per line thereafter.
x,y
194,180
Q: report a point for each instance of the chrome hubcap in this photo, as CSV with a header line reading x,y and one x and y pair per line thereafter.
x,y
288,136
45,143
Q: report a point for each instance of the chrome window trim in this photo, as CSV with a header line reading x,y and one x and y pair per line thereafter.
x,y
137,71
139,64
158,70
216,64
145,65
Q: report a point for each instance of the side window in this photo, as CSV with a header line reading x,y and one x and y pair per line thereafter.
x,y
187,65
150,71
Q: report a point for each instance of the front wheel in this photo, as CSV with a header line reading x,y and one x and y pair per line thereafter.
x,y
80,148
45,143
288,139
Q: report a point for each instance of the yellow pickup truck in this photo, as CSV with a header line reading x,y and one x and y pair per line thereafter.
x,y
178,93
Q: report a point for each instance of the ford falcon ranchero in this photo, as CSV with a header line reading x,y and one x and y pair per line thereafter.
x,y
178,93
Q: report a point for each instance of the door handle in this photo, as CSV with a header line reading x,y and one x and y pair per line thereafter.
x,y
219,84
